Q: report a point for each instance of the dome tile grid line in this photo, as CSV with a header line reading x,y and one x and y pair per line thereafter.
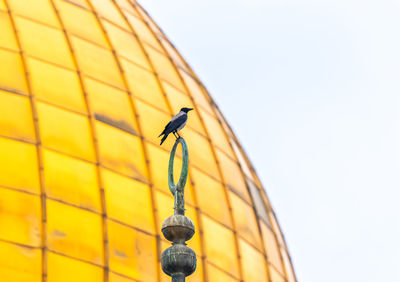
x,y
77,131
39,160
132,106
104,222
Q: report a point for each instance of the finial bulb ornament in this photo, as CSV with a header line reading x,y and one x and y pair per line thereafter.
x,y
178,261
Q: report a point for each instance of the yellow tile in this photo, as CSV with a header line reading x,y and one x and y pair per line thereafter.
x,y
132,253
245,221
244,165
142,31
81,22
65,131
204,158
225,125
275,276
39,10
206,186
220,246
164,68
126,44
152,121
20,217
48,43
271,247
107,9
159,169
74,232
215,274
97,62
194,243
64,269
197,92
165,206
3,5
118,278
171,51
20,264
232,175
62,86
148,20
81,3
128,201
16,118
253,263
288,266
121,151
79,185
7,34
143,84
197,276
12,73
111,106
19,166
216,133
128,6
276,228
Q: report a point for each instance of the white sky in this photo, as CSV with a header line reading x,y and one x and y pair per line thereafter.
x,y
312,89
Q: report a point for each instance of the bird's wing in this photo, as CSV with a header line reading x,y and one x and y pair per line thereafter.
x,y
164,129
175,123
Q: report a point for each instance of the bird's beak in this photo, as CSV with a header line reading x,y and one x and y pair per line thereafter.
x,y
190,109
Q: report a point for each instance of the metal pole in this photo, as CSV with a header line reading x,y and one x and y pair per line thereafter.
x,y
178,278
178,261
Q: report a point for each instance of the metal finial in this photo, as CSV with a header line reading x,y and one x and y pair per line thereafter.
x,y
178,189
178,261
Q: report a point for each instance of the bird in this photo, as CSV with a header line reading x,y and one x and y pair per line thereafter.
x,y
177,123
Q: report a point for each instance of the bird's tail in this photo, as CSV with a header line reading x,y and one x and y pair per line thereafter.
x,y
163,139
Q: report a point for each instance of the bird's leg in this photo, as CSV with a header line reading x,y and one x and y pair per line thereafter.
x,y
174,132
178,134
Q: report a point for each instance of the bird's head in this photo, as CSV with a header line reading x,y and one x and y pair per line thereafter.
x,y
185,110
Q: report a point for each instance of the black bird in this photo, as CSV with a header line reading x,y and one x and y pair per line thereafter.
x,y
177,123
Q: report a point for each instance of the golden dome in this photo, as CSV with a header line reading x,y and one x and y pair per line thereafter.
x,y
85,88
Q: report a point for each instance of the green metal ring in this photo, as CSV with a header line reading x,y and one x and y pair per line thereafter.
x,y
185,163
